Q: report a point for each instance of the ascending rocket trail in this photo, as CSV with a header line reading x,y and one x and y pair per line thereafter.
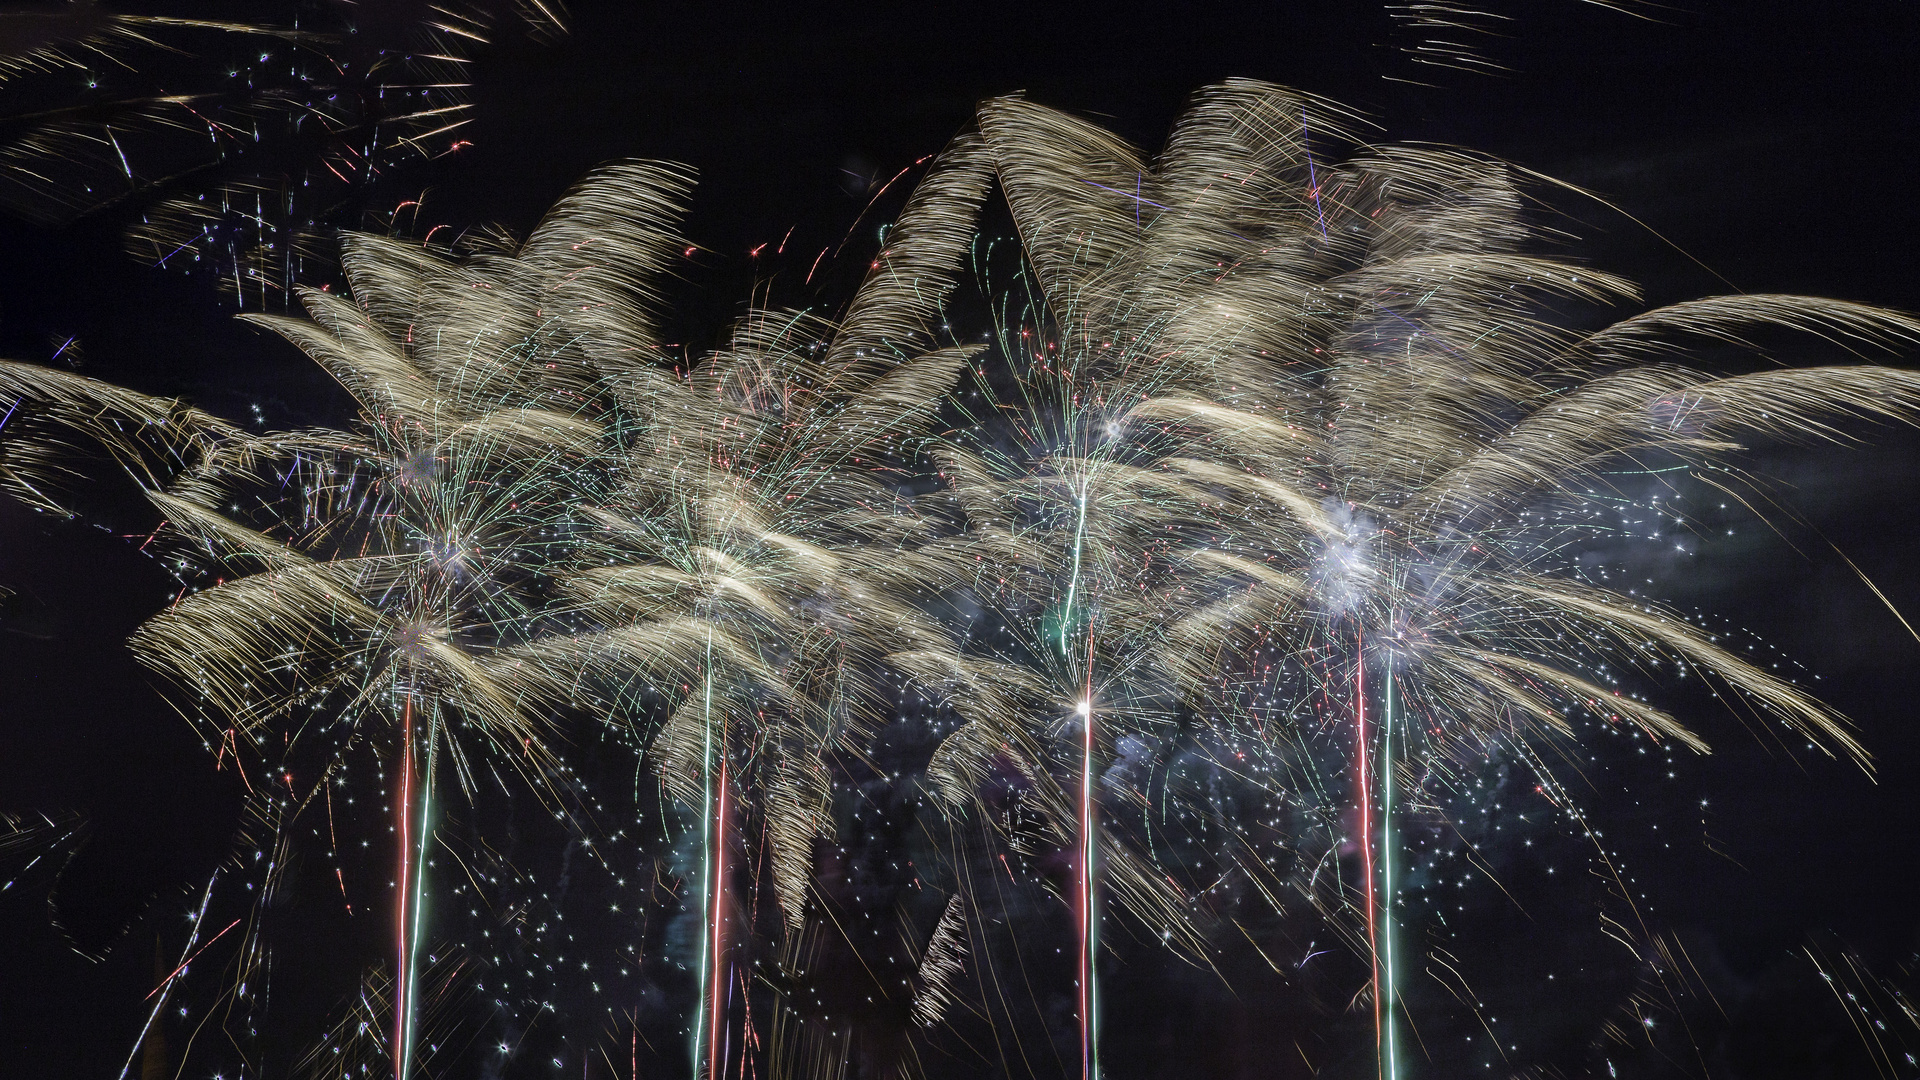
x,y
413,869
1089,925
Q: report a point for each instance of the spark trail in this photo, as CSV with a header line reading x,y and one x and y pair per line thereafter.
x,y
1086,910
414,901
404,927
1363,750
712,870
1389,1056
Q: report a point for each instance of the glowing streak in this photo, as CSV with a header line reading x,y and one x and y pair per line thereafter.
x,y
1134,195
1089,942
1366,826
124,166
717,1066
1389,1059
1089,935
1073,581
412,943
181,970
709,908
185,246
186,954
1864,579
1313,175
401,965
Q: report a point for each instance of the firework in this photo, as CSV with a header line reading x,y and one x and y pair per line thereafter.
x,y
537,510
738,582
25,842
346,586
239,146
1321,454
1269,532
1444,35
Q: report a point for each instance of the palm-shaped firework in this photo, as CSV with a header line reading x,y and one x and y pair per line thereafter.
x,y
1320,447
737,582
365,575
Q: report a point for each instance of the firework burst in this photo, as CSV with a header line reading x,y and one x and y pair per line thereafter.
x,y
346,586
239,145
1322,454
737,585
1272,529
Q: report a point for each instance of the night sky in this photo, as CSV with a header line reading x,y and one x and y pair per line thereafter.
x,y
1763,147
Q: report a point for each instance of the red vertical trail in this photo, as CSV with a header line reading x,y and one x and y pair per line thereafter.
x,y
1366,820
716,1057
400,987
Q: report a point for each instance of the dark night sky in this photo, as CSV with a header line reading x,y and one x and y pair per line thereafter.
x,y
1774,142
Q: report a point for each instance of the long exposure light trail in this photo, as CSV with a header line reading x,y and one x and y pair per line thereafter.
x,y
1088,991
1362,747
716,1051
709,876
403,962
166,986
418,902
1389,1056
1088,913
